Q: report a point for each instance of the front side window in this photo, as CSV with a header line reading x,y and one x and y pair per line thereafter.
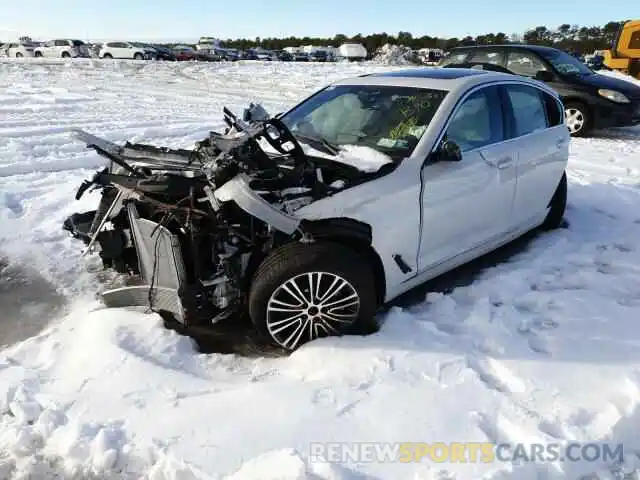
x,y
478,121
388,119
528,109
525,63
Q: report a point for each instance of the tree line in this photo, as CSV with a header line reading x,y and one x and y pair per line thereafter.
x,y
581,39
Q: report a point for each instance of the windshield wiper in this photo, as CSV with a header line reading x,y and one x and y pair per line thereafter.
x,y
321,143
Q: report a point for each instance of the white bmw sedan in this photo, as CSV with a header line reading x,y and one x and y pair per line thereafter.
x,y
310,220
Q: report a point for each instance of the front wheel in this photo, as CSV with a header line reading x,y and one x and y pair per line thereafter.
x,y
138,56
302,292
578,119
19,55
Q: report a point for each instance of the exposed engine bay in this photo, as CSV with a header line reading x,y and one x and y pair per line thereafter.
x,y
195,224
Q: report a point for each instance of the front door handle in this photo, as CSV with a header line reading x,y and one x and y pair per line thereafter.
x,y
504,162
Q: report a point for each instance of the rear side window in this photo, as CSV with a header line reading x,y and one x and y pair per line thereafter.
x,y
525,63
529,109
487,56
454,57
61,43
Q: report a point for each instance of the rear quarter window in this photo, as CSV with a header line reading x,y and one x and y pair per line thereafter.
x,y
553,109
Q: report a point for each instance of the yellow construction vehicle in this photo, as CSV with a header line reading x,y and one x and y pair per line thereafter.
x,y
625,54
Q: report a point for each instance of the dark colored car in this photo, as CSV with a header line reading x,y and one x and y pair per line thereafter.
x,y
318,56
284,56
164,53
592,101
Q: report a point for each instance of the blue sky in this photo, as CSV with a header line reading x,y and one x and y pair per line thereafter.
x,y
190,19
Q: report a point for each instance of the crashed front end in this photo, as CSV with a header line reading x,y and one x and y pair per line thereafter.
x,y
193,225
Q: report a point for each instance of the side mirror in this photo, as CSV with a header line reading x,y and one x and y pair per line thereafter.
x,y
448,151
544,76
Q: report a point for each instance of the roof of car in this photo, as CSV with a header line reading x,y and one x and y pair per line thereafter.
x,y
439,78
436,73
521,46
428,77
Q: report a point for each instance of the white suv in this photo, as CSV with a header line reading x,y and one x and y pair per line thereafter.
x,y
311,220
17,49
62,48
125,50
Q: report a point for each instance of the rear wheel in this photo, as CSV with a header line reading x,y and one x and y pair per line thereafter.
x,y
108,56
578,118
19,55
138,56
38,54
558,206
302,292
66,55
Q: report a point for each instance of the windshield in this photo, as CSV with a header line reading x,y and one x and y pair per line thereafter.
x,y
388,119
565,63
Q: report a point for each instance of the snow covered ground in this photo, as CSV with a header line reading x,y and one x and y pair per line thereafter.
x,y
542,347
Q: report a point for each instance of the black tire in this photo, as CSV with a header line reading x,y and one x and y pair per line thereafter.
x,y
108,56
66,55
38,54
19,55
329,261
555,216
585,114
138,56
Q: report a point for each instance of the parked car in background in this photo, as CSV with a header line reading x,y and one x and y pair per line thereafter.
x,y
62,48
591,101
283,56
265,55
249,54
227,54
300,57
17,49
125,50
318,56
185,53
164,53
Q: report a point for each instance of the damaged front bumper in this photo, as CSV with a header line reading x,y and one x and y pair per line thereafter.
x,y
158,253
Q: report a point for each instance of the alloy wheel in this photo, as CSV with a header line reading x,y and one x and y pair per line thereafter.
x,y
309,306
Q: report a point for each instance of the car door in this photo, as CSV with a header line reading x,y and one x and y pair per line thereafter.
x,y
542,141
467,204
